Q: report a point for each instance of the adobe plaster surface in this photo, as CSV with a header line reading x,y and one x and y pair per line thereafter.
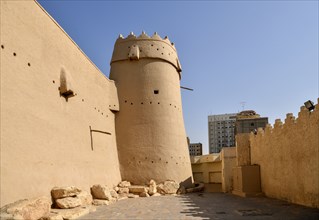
x,y
288,157
228,159
132,128
46,139
243,149
60,116
150,129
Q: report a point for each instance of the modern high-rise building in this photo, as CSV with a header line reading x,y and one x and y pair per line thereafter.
x,y
195,149
221,131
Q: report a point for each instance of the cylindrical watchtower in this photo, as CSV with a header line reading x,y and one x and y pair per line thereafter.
x,y
150,129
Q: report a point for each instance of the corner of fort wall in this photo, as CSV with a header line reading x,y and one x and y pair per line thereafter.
x,y
48,138
288,156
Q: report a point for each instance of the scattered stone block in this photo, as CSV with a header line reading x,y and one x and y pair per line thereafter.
x,y
5,216
99,202
137,189
152,189
62,192
53,216
85,197
124,184
160,188
68,202
6,207
101,192
114,194
123,190
71,213
168,187
144,194
34,208
116,189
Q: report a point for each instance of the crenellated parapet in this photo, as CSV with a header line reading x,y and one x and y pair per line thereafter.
x,y
304,116
288,157
143,46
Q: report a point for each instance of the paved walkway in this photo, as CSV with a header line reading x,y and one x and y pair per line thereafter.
x,y
203,206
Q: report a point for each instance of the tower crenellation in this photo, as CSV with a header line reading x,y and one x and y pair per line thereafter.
x,y
143,46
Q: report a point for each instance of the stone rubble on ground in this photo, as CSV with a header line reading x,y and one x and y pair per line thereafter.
x,y
34,208
123,190
99,202
124,184
62,192
137,189
6,216
85,197
160,188
68,202
53,216
114,194
72,213
71,202
101,192
168,187
116,188
152,187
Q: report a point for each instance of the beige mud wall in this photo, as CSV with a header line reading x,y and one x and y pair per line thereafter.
x,y
45,140
288,155
228,160
150,128
243,149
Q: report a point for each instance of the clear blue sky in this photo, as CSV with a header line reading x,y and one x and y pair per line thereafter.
x,y
262,52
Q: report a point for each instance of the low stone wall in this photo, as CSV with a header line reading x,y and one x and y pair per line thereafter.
x,y
288,157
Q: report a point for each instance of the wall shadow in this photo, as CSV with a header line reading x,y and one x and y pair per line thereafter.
x,y
188,182
228,206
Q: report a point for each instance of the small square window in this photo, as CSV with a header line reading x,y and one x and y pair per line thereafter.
x,y
156,92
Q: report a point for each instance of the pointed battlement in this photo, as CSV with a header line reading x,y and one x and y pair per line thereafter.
x,y
304,116
144,36
289,151
148,47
